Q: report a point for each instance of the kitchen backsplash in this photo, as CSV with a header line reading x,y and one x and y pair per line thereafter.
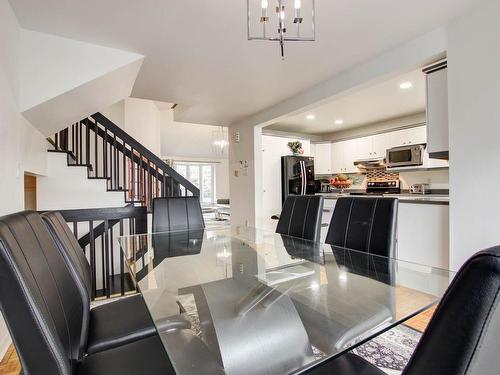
x,y
437,179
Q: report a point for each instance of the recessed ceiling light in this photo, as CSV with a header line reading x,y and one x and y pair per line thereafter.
x,y
406,85
310,117
339,122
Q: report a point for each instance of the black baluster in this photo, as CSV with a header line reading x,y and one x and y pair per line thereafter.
x,y
132,166
122,265
96,163
103,265
80,143
140,180
105,157
112,252
87,143
124,166
106,247
92,258
115,155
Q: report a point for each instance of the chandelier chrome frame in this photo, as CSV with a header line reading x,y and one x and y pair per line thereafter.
x,y
280,11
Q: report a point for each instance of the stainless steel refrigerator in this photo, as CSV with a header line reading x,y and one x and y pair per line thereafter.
x,y
297,176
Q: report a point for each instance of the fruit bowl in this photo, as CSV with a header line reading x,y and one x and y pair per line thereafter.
x,y
341,184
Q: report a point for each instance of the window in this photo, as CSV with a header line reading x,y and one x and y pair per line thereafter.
x,y
202,175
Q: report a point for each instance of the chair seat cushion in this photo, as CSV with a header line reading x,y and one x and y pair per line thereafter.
x,y
347,364
118,323
144,357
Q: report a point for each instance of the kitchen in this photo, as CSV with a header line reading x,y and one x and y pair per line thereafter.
x,y
388,139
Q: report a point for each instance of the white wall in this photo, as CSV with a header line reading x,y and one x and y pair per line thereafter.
x,y
58,87
474,131
142,123
193,142
65,188
116,113
245,181
22,148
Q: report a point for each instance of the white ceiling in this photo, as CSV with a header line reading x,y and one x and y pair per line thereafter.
x,y
380,102
198,55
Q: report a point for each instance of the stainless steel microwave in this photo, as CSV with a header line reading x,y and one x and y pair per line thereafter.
x,y
405,156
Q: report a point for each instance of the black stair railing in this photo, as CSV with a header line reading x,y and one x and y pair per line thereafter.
x,y
97,231
112,154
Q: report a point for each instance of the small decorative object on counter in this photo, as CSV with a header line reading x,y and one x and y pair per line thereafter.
x,y
341,181
296,147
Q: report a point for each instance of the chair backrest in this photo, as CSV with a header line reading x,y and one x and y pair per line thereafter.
x,y
70,250
463,336
301,217
39,298
177,213
365,224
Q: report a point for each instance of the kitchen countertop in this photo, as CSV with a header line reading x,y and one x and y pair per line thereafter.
x,y
403,198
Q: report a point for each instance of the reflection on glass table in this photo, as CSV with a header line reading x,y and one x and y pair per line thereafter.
x,y
264,303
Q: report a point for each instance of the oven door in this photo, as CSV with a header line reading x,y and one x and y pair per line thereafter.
x,y
405,156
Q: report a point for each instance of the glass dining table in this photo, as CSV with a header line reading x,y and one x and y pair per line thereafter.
x,y
239,300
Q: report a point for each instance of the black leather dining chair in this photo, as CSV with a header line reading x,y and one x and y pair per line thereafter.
x,y
462,336
301,217
365,224
177,213
108,325
46,317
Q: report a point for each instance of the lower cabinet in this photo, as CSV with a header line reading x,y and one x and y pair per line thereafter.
x,y
423,232
328,207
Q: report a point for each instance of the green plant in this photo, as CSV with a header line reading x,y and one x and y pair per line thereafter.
x,y
296,147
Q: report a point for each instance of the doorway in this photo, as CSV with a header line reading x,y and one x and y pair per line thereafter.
x,y
30,192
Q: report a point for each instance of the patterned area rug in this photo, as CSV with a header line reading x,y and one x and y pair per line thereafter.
x,y
392,350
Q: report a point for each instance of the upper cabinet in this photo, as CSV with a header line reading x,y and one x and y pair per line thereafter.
x,y
407,136
345,153
437,110
322,158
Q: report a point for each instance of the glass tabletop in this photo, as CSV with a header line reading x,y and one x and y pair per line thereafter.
x,y
239,300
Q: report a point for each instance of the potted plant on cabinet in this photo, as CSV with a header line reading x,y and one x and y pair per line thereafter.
x,y
296,147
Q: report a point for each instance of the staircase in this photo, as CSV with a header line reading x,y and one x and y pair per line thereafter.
x,y
112,155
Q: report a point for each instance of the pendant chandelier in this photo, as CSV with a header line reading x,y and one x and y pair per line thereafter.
x,y
290,20
219,141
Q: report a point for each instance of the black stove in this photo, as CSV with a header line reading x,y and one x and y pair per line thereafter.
x,y
383,187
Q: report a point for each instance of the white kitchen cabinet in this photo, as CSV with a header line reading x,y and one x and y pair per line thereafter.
x,y
437,111
423,234
382,142
328,208
363,148
409,136
323,158
337,152
344,154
